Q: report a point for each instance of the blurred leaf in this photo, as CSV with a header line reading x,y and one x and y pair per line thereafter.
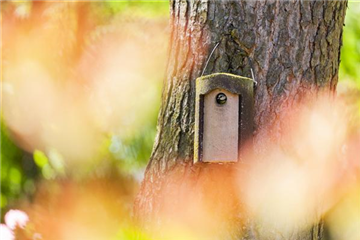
x,y
3,201
40,158
57,161
48,172
15,176
132,234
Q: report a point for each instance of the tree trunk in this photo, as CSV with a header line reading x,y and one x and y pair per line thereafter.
x,y
295,50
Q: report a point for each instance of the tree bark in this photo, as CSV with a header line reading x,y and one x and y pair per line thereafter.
x,y
295,50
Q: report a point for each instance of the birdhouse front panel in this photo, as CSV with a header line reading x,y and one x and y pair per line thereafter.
x,y
221,124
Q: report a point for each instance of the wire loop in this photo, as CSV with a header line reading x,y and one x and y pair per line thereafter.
x,y
250,63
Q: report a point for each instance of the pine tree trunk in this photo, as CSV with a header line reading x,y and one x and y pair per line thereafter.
x,y
295,50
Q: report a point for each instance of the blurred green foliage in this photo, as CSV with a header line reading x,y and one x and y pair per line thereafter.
x,y
18,172
349,74
350,52
137,8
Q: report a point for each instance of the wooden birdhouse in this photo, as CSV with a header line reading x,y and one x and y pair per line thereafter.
x,y
223,117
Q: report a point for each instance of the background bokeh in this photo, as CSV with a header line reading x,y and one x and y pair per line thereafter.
x,y
81,88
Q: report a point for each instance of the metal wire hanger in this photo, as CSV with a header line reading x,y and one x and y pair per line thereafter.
x,y
250,62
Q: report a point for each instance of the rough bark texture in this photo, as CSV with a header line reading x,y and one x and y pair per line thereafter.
x,y
295,49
